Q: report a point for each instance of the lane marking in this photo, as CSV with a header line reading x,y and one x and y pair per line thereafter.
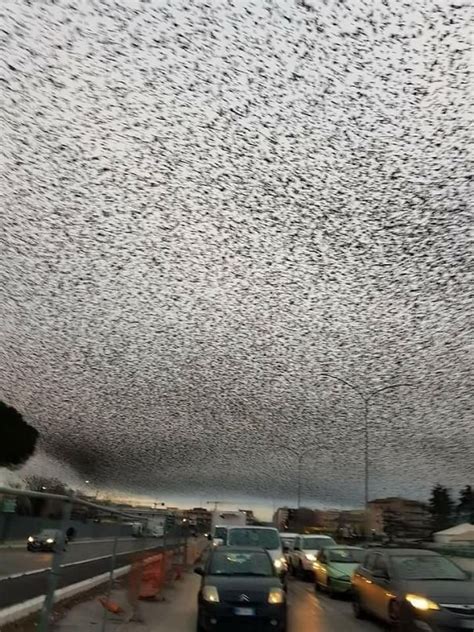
x,y
92,559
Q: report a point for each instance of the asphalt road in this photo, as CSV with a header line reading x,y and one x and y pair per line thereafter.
x,y
307,612
81,561
16,561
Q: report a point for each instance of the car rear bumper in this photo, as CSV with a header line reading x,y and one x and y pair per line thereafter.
x,y
341,586
222,618
307,565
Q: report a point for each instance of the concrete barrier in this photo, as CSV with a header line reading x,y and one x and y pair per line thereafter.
x,y
27,608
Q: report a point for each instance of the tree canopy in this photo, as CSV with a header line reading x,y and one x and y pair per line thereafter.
x,y
441,508
17,438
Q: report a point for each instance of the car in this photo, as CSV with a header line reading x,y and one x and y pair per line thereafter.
x,y
414,590
334,567
267,538
304,554
219,535
240,589
288,543
46,540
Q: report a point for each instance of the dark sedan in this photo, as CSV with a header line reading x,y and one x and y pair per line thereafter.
x,y
46,540
415,591
240,590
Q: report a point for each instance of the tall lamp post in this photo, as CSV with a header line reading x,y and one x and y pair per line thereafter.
x,y
300,457
366,398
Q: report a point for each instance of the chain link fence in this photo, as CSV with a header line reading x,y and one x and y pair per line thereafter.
x,y
86,544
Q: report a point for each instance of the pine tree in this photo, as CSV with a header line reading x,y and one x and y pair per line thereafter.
x,y
465,507
441,508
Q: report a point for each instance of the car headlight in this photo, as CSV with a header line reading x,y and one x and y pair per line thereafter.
x,y
210,594
31,539
276,596
279,564
310,557
421,603
50,541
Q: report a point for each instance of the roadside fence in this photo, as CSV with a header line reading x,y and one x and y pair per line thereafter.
x,y
146,562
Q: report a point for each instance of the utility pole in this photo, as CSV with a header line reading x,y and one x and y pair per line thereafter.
x,y
216,503
366,398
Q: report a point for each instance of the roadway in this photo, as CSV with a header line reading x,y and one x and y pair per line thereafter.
x,y
307,612
18,561
24,575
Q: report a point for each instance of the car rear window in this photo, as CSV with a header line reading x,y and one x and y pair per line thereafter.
x,y
265,538
236,563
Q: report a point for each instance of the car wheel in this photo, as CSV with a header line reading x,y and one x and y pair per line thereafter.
x,y
330,590
199,627
357,608
394,615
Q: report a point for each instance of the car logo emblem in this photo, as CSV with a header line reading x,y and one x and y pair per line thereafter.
x,y
244,598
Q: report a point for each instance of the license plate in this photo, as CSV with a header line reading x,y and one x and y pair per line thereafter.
x,y
245,612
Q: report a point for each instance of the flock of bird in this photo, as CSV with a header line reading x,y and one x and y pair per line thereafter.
x,y
210,205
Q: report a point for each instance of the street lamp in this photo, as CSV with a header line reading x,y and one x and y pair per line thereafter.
x,y
366,400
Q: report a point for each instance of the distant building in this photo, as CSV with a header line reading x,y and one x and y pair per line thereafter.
x,y
296,520
402,517
280,518
198,517
250,516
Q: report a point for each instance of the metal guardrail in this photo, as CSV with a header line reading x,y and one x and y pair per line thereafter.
x,y
45,622
455,551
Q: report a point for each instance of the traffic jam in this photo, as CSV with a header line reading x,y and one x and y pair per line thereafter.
x,y
246,572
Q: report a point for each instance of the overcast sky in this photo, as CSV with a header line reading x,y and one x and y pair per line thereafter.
x,y
206,206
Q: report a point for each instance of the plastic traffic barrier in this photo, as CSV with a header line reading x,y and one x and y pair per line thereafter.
x,y
152,577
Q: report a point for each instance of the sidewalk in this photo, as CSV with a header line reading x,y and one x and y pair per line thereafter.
x,y
176,612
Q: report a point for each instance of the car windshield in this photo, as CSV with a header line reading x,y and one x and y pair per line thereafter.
x,y
250,563
266,538
349,556
315,543
288,541
426,567
220,533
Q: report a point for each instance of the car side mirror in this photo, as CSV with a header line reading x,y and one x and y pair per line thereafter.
x,y
209,537
199,570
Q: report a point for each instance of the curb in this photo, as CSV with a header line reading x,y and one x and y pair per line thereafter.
x,y
23,610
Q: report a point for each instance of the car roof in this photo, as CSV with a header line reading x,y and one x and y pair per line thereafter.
x,y
239,549
343,546
395,551
250,526
286,534
316,535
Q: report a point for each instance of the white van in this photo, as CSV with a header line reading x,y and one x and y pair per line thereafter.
x,y
264,537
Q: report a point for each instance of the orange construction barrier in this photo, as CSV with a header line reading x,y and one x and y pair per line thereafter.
x,y
110,605
152,577
168,565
